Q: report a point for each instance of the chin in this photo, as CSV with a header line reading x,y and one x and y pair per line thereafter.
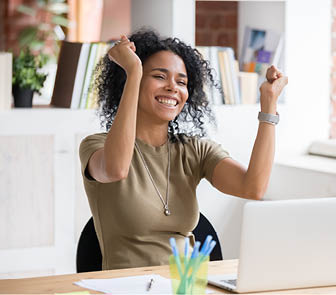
x,y
166,117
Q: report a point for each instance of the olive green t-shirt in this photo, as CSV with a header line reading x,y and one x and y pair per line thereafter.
x,y
129,218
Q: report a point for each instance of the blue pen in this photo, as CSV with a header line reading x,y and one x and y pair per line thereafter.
x,y
195,251
212,245
206,244
176,255
186,248
203,254
186,251
201,258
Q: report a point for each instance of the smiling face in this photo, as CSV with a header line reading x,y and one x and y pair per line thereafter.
x,y
163,89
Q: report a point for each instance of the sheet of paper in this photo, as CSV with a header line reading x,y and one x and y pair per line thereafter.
x,y
130,285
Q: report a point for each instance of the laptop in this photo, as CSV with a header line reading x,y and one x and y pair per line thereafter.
x,y
284,245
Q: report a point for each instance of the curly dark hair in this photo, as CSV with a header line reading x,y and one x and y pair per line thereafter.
x,y
110,80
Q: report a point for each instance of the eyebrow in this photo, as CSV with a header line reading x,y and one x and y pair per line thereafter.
x,y
166,71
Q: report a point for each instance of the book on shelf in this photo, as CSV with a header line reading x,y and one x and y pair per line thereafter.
x,y
92,99
225,71
6,64
217,94
261,48
223,60
88,74
248,87
65,75
228,66
75,74
79,77
205,52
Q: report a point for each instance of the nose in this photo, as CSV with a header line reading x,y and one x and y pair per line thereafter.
x,y
171,85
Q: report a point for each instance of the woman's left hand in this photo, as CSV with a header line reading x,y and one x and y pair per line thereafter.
x,y
271,89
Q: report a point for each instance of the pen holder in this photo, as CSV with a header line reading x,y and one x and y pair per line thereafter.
x,y
192,282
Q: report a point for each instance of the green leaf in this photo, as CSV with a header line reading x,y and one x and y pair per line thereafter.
x,y
57,1
36,45
26,10
44,27
26,70
27,36
42,3
60,20
58,8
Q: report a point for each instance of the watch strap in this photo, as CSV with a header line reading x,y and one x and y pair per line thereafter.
x,y
269,118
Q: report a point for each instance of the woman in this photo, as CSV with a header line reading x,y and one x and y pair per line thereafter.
x,y
141,176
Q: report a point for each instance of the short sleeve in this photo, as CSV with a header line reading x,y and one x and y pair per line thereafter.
x,y
210,154
88,146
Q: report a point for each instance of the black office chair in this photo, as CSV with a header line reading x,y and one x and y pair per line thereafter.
x,y
89,257
202,230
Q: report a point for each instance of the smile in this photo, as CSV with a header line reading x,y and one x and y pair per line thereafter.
x,y
167,101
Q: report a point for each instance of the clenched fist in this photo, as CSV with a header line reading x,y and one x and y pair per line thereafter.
x,y
123,54
271,89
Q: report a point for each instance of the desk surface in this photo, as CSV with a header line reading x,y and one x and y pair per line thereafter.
x,y
64,283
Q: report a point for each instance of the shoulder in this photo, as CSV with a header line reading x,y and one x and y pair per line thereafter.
x,y
97,137
92,142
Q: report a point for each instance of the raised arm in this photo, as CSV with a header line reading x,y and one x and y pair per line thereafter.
x,y
232,178
112,162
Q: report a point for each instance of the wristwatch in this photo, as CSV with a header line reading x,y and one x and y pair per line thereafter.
x,y
269,118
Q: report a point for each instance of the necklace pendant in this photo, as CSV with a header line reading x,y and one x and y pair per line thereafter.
x,y
167,211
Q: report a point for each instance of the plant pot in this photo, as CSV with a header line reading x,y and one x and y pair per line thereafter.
x,y
23,97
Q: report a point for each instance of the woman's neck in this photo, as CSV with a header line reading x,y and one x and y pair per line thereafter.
x,y
152,134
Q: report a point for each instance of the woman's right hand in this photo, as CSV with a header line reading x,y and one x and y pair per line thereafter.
x,y
123,54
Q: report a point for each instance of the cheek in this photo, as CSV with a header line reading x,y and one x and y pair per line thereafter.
x,y
145,90
185,94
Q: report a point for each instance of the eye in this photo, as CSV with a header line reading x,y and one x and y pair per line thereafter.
x,y
184,83
159,77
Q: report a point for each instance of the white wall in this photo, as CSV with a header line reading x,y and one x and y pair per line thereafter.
x,y
308,59
260,15
172,18
307,28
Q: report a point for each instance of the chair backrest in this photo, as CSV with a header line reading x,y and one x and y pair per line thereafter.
x,y
89,257
202,230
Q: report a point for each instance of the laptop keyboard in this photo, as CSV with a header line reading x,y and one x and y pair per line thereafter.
x,y
231,282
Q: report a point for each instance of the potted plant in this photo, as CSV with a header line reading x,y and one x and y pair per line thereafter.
x,y
44,34
42,38
26,77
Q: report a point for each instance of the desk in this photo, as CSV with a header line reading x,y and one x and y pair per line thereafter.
x,y
64,283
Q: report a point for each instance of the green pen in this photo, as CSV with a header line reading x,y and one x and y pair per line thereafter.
x,y
205,252
184,279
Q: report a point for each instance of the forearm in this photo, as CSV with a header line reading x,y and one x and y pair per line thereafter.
x,y
260,166
119,144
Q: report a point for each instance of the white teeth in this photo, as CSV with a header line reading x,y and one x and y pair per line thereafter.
x,y
170,102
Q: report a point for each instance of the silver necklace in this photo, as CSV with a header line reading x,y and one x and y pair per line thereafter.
x,y
165,204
